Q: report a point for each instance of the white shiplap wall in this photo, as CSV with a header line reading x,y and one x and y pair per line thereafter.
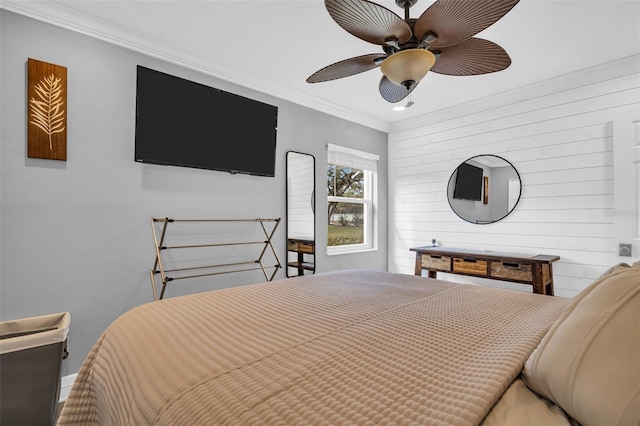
x,y
560,137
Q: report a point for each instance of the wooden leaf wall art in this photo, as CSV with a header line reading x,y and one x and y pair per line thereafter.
x,y
485,198
47,117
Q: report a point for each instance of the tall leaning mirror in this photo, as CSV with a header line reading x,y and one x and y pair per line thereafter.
x,y
484,189
301,243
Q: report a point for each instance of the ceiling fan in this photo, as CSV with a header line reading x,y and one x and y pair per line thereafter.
x,y
440,40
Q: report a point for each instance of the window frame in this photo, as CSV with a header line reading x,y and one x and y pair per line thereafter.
x,y
369,202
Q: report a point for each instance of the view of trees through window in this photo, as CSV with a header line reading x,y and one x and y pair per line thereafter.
x,y
345,190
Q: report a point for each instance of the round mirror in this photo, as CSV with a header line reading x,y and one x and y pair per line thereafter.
x,y
484,189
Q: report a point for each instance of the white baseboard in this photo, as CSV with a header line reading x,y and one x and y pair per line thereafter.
x,y
65,386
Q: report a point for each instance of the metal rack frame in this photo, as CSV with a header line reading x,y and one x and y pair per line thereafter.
x,y
158,266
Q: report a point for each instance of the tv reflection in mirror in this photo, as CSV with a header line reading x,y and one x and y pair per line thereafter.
x,y
470,199
468,183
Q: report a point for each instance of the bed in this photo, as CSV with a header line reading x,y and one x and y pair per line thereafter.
x,y
368,348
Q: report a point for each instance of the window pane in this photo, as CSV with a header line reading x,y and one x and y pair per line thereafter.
x,y
346,224
345,181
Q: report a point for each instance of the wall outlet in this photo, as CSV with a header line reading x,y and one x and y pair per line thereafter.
x,y
624,250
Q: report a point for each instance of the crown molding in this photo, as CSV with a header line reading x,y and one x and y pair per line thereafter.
x,y
60,15
598,73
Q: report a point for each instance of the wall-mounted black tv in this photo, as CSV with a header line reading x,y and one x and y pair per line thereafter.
x,y
184,123
468,183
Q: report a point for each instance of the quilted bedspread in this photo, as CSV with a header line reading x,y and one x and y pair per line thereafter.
x,y
347,347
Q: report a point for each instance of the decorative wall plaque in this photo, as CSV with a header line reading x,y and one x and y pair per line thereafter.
x,y
47,117
485,195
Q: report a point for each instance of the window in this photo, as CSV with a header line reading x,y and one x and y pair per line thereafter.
x,y
351,196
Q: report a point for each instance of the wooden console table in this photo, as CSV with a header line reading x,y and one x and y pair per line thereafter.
x,y
534,270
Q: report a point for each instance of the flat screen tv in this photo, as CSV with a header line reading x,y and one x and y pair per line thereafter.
x,y
468,183
184,123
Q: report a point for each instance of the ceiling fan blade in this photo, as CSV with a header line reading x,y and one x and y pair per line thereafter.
x,y
368,21
471,57
456,20
393,93
347,67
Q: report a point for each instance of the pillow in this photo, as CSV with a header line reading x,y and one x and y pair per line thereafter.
x,y
519,406
589,361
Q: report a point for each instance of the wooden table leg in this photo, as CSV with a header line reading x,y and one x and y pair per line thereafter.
x,y
537,279
549,285
418,268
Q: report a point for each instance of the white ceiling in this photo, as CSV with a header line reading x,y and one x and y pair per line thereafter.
x,y
273,46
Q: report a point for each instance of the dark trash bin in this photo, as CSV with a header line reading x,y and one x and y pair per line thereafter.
x,y
31,353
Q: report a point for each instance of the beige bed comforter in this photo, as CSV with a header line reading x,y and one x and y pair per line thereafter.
x,y
350,347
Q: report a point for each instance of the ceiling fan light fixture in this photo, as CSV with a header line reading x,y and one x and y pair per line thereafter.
x,y
408,65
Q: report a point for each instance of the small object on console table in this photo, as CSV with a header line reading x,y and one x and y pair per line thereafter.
x,y
534,270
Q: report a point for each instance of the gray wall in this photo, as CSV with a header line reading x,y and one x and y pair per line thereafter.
x,y
76,234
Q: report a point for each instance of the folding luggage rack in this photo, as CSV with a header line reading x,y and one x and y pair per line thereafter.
x,y
207,270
